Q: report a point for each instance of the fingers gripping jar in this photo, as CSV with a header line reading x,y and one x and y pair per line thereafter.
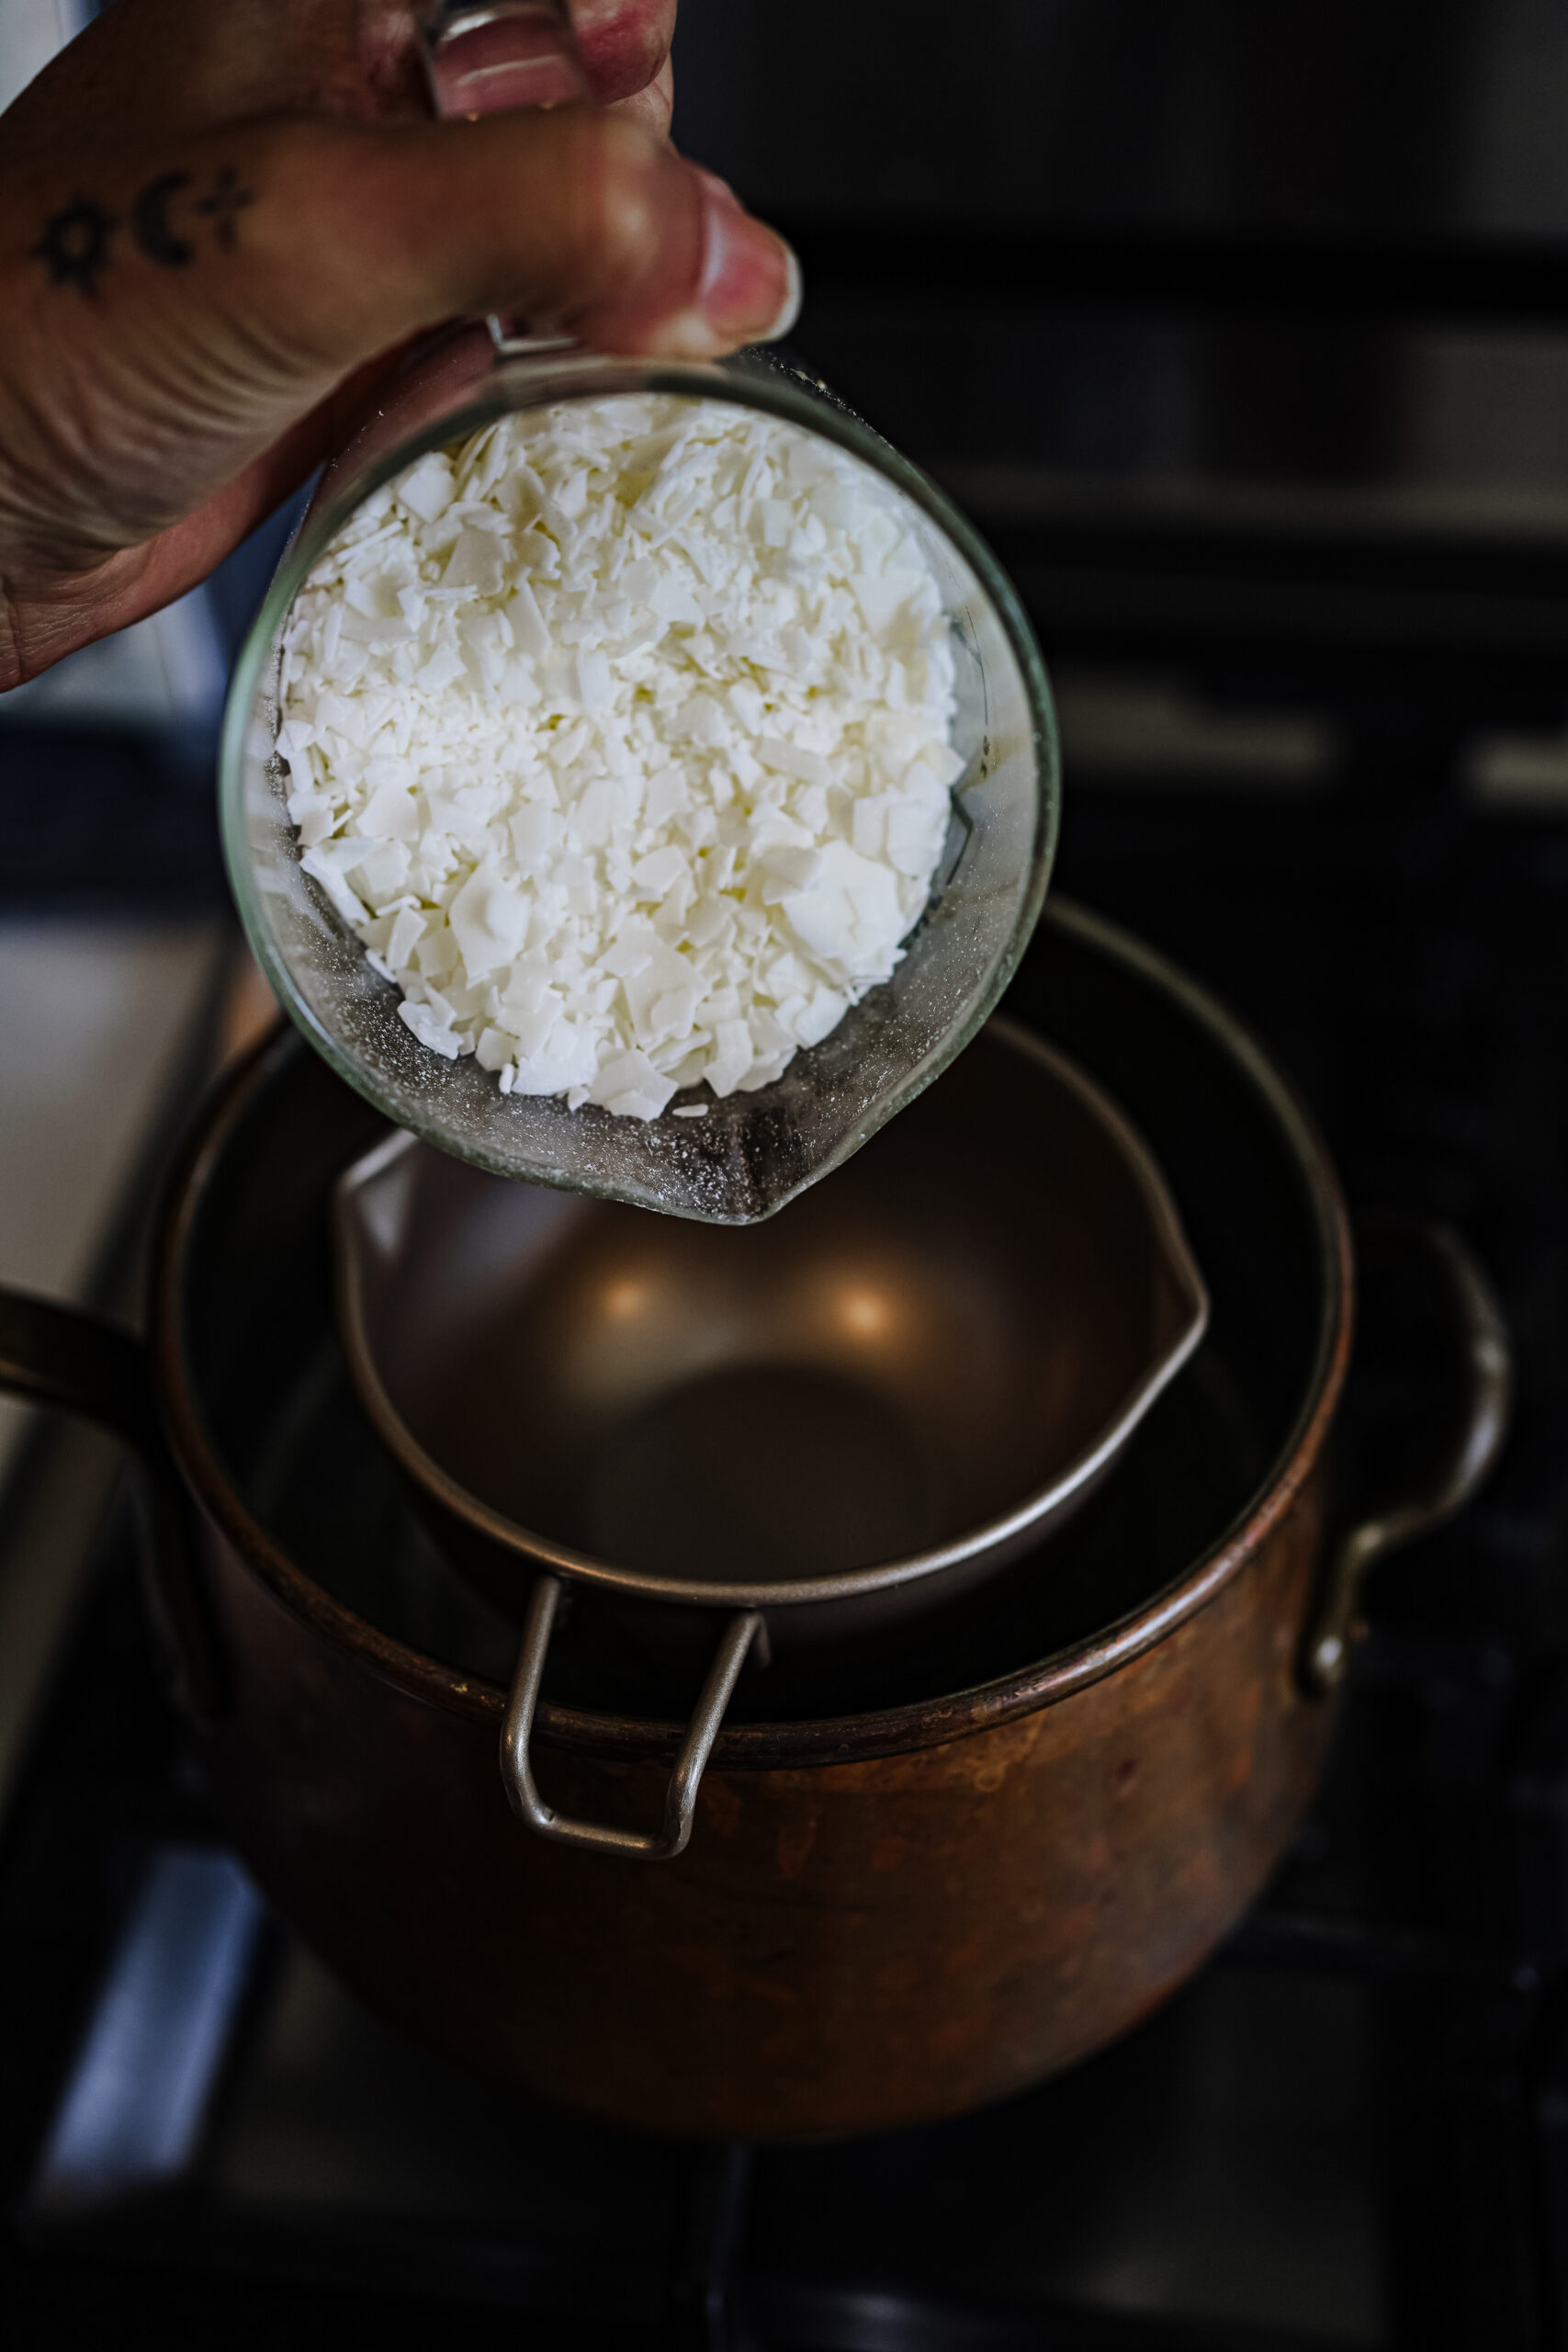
x,y
727,1158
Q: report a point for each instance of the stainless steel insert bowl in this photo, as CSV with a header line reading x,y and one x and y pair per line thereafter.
x,y
828,1423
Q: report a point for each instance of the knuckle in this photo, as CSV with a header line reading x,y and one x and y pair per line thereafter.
x,y
625,43
622,196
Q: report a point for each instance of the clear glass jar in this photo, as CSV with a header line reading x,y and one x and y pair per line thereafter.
x,y
752,1153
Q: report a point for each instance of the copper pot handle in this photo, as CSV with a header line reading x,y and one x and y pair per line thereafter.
x,y
1482,1339
680,1803
65,1357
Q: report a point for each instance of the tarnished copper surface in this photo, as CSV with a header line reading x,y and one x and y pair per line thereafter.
x,y
882,1915
842,1947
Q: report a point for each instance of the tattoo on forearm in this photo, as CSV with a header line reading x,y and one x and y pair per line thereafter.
x,y
227,200
76,244
149,222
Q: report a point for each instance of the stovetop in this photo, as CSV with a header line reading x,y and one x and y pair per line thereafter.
x,y
1350,2128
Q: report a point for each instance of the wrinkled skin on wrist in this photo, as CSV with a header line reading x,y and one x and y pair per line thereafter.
x,y
221,226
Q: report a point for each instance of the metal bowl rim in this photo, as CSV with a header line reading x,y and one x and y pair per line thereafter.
x,y
542,1553
872,1732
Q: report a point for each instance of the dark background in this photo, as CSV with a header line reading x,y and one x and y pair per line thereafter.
x,y
1356,116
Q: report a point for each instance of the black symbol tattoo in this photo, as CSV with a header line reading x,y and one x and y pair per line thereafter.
x,y
149,222
228,197
74,246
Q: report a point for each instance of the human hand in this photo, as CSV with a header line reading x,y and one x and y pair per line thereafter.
x,y
219,228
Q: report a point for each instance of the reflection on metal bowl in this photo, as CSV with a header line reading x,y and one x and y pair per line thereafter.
x,y
849,1418
917,1370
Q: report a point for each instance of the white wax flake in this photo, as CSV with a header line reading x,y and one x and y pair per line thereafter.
x,y
620,734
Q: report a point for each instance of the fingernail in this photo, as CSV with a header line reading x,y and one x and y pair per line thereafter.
x,y
794,291
750,283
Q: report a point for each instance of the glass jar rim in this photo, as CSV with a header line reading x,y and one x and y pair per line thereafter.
x,y
509,384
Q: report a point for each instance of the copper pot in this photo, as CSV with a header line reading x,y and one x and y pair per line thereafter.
x,y
903,1897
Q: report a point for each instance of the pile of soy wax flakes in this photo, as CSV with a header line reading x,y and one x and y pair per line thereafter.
x,y
620,734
